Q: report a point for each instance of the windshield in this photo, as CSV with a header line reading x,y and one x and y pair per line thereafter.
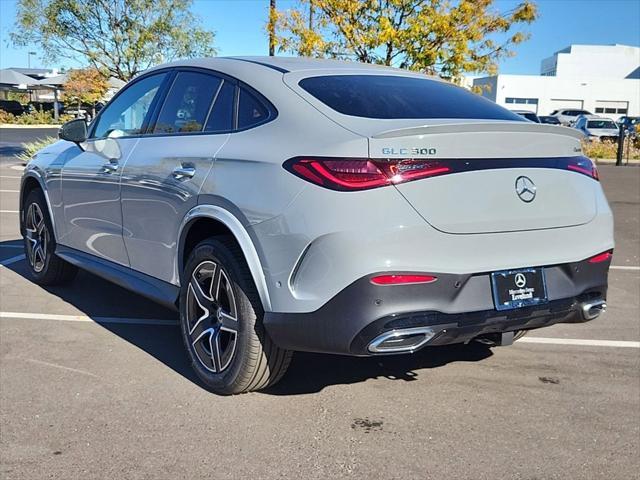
x,y
531,116
392,96
601,124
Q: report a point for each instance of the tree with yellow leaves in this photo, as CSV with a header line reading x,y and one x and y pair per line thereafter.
x,y
87,85
433,36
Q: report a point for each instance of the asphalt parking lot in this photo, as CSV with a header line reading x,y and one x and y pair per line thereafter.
x,y
94,384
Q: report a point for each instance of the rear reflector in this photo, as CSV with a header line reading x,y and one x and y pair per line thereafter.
x,y
601,257
402,279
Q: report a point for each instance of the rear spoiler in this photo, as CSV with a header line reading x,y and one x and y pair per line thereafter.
x,y
480,127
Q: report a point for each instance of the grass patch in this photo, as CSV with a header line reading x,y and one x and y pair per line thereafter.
x,y
31,148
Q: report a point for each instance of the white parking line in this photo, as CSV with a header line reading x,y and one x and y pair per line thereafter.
x,y
87,319
9,191
11,260
9,211
580,342
621,267
10,176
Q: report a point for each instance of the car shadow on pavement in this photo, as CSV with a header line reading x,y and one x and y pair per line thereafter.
x,y
308,373
11,150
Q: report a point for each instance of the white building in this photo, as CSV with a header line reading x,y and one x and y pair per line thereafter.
x,y
604,79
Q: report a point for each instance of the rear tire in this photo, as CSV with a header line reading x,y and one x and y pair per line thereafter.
x,y
45,266
221,322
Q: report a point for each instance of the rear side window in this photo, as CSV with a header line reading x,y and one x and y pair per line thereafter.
x,y
250,110
391,97
221,115
187,104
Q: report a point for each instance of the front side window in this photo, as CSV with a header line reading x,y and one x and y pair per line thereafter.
x,y
187,104
395,97
126,114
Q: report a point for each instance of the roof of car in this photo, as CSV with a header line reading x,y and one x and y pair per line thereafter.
x,y
591,116
282,65
596,117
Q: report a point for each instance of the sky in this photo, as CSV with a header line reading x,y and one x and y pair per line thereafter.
x,y
239,27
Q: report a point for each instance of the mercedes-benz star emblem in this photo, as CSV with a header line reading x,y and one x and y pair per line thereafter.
x,y
520,280
525,188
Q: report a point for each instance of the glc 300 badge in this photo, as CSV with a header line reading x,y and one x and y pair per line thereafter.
x,y
525,188
408,151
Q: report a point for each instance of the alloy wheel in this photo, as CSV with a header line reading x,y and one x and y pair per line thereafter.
x,y
38,237
212,316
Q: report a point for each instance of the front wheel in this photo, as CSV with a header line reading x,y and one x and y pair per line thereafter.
x,y
221,322
45,266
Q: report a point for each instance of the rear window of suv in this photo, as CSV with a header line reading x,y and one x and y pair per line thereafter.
x,y
395,97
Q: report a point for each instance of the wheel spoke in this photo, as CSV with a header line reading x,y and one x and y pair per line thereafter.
x,y
29,220
204,301
199,326
31,253
214,348
215,285
39,252
229,322
202,353
41,226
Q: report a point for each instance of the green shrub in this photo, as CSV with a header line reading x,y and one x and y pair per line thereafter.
x,y
31,148
35,118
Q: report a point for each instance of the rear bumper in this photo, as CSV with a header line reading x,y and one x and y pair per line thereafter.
x,y
456,308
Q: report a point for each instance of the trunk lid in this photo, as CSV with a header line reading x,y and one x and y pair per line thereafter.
x,y
484,198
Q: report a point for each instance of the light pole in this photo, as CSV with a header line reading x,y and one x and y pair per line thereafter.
x,y
29,66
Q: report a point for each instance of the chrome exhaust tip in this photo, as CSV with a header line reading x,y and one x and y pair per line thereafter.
x,y
593,309
406,340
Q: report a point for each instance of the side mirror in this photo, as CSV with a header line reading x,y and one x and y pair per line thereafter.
x,y
74,131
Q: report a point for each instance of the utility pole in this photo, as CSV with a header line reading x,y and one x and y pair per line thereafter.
x,y
272,28
311,15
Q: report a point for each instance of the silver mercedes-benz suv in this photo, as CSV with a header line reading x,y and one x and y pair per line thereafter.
x,y
286,204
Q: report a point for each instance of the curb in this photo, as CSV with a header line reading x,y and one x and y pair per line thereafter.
x,y
13,125
612,161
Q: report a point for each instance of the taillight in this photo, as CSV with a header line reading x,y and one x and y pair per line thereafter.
x,y
349,174
584,166
601,257
353,174
402,279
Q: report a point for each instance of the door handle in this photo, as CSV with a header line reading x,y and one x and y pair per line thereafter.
x,y
183,172
110,168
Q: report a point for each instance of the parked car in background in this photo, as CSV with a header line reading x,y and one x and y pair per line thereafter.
x,y
629,124
532,117
33,107
85,110
598,128
278,208
569,116
11,106
548,119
